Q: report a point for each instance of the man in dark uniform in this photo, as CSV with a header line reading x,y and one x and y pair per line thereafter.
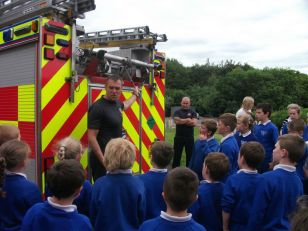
x,y
185,120
105,122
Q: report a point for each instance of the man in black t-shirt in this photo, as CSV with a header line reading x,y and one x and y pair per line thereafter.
x,y
105,122
185,120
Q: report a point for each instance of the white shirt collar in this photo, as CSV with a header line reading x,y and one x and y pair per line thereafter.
x,y
209,139
65,208
168,217
246,134
7,172
226,137
208,182
247,171
288,168
125,171
265,123
158,170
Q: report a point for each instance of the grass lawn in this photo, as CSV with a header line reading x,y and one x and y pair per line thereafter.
x,y
170,136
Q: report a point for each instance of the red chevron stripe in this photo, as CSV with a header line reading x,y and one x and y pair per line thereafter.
x,y
157,105
158,133
135,122
69,125
144,166
56,103
159,109
53,66
161,85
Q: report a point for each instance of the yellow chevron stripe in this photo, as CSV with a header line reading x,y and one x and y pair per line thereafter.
x,y
160,96
135,138
9,122
77,133
26,104
55,47
152,109
60,117
55,84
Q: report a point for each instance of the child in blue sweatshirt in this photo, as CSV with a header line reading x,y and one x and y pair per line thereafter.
x,y
180,191
65,180
239,190
278,190
243,130
266,133
161,154
296,127
203,146
207,209
118,199
17,194
228,145
70,148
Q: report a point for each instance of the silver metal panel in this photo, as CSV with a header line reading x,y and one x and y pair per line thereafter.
x,y
30,170
17,66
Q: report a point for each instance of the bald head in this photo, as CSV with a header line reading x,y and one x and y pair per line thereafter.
x,y
185,103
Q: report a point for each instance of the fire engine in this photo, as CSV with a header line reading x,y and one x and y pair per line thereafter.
x,y
51,71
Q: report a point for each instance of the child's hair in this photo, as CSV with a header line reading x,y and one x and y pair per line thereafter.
x,y
2,171
161,153
211,125
64,178
248,102
299,218
228,119
266,108
217,164
180,188
15,152
68,148
8,132
296,125
294,144
119,154
253,153
247,120
294,106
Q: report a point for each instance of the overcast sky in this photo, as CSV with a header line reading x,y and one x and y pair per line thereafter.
x,y
262,33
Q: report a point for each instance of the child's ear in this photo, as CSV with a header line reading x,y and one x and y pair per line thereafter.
x,y
284,153
77,192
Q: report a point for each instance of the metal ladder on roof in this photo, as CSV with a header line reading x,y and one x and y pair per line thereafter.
x,y
12,11
120,37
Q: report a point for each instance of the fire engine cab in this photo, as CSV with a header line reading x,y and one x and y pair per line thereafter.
x,y
51,71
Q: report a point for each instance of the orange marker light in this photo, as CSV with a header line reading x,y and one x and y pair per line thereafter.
x,y
34,26
49,39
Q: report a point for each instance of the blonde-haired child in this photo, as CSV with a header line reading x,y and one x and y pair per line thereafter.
x,y
70,148
118,195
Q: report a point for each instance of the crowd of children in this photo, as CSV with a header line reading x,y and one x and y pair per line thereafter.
x,y
252,180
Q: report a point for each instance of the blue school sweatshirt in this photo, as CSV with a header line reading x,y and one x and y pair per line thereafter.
x,y
267,135
300,164
166,222
231,149
275,199
118,202
21,194
82,201
244,138
46,217
153,182
207,209
237,199
201,149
